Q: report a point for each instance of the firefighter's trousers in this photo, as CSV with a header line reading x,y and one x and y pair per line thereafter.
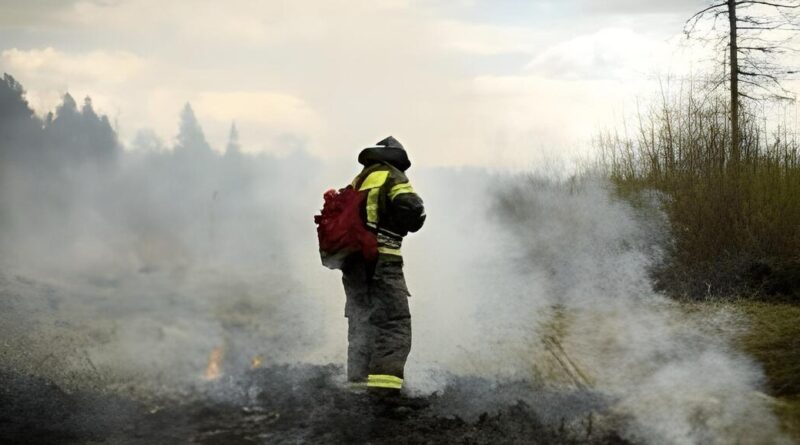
x,y
379,322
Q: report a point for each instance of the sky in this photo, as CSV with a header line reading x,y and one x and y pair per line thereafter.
x,y
500,83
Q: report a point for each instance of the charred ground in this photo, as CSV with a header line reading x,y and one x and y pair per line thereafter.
x,y
288,404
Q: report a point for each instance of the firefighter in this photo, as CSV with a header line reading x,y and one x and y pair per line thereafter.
x,y
379,322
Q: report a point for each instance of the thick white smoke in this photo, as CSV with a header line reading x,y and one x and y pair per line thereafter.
x,y
515,274
127,272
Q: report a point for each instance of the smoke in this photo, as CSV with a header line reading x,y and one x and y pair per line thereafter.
x,y
133,265
126,268
549,277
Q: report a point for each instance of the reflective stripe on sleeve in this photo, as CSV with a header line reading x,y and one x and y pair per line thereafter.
x,y
399,189
384,381
374,180
389,251
372,206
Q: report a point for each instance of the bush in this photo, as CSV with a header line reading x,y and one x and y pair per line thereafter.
x,y
734,212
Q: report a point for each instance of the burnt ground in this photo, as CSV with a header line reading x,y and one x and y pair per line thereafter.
x,y
298,404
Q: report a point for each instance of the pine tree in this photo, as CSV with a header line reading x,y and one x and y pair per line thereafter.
x,y
233,148
20,129
190,134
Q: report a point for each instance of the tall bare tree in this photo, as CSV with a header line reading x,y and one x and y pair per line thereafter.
x,y
759,33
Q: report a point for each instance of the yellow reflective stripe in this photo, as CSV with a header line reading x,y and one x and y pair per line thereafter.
x,y
399,189
384,381
372,206
375,179
389,251
389,385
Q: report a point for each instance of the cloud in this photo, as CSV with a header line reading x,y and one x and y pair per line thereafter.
x,y
610,53
339,74
108,76
263,116
263,107
483,39
240,22
640,6
32,12
533,118
94,66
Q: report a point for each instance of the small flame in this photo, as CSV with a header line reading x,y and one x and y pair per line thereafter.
x,y
213,370
256,362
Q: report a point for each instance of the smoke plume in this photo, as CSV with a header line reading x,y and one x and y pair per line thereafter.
x,y
131,268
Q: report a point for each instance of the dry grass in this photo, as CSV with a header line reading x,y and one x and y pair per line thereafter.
x,y
729,209
773,338
788,409
770,333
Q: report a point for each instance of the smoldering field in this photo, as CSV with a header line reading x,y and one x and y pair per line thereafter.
x,y
127,271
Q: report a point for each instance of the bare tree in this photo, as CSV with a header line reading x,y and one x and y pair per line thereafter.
x,y
758,36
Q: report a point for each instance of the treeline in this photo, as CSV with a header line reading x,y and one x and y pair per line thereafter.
x,y
67,136
71,194
734,211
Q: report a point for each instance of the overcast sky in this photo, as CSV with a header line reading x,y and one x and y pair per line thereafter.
x,y
480,82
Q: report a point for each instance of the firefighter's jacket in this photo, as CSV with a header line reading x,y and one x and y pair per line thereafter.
x,y
392,208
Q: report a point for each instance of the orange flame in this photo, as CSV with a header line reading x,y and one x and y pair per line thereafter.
x,y
214,370
256,362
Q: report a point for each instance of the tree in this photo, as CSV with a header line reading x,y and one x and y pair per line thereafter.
x,y
68,108
20,129
74,136
233,148
190,134
759,32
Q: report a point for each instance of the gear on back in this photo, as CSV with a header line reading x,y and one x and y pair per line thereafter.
x,y
340,228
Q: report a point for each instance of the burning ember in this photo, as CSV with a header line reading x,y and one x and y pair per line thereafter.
x,y
214,370
256,362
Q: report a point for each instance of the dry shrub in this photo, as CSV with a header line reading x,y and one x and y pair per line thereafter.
x,y
734,213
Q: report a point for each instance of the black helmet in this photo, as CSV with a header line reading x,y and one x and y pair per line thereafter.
x,y
389,150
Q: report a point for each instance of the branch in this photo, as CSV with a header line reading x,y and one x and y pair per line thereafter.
x,y
787,98
697,16
760,28
762,49
747,96
700,13
757,85
752,74
756,20
776,5
768,93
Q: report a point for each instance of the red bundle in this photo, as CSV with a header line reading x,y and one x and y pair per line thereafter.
x,y
341,229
